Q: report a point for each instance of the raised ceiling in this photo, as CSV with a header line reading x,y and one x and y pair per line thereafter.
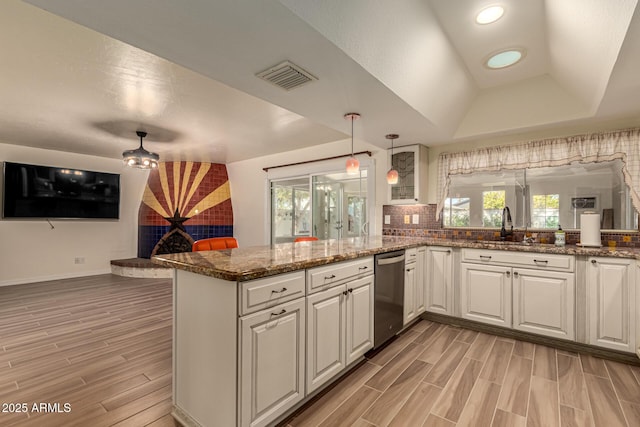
x,y
82,78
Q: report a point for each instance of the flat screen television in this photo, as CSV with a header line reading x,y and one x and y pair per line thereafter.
x,y
33,191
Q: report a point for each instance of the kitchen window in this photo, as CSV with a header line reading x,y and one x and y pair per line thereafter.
x,y
457,212
545,211
493,202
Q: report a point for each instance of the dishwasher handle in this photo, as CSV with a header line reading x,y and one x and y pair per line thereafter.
x,y
392,260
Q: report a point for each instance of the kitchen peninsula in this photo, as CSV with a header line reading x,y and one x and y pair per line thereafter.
x,y
246,345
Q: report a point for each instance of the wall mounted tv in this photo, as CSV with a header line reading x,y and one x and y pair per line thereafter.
x,y
32,191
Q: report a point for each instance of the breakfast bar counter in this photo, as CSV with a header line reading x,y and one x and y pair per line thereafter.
x,y
242,264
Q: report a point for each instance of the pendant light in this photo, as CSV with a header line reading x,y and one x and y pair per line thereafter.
x,y
392,175
140,158
353,165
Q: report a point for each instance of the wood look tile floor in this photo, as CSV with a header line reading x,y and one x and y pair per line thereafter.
x,y
102,344
439,375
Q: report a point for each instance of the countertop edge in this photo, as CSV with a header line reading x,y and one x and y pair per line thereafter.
x,y
412,242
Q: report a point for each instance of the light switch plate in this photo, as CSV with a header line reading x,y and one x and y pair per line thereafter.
x,y
416,219
387,219
407,219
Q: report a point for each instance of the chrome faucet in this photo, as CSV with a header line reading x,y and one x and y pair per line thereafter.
x,y
506,222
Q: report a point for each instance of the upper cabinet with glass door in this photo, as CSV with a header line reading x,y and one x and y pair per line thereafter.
x,y
411,162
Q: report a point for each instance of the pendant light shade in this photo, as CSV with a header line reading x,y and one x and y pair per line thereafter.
x,y
353,165
392,175
140,158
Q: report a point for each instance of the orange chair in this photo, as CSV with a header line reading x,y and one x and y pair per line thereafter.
x,y
305,239
214,244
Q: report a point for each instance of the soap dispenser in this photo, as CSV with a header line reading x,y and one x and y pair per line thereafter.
x,y
560,236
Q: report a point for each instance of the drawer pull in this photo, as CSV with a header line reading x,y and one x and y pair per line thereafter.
x,y
278,292
541,261
283,311
333,276
449,251
508,273
594,262
363,268
515,274
487,257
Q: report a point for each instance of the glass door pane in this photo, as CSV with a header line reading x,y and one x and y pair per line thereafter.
x,y
290,210
339,205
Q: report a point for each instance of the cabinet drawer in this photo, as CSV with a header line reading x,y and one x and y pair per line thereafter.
x,y
320,278
410,255
264,293
520,259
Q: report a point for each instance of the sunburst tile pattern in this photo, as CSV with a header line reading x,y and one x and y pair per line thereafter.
x,y
196,190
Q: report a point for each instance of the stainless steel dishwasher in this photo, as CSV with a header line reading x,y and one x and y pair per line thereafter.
x,y
389,296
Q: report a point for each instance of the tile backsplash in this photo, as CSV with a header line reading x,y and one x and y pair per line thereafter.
x,y
401,224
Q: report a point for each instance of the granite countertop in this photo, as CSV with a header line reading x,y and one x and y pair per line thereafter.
x,y
254,262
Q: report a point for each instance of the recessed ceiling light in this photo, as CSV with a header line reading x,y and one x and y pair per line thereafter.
x,y
504,59
489,14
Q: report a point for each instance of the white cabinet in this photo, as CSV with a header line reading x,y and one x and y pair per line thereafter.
x,y
611,298
485,293
359,318
496,289
409,307
340,329
411,162
414,283
271,362
544,302
438,278
421,283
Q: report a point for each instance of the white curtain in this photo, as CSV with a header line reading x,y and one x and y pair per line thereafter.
x,y
597,147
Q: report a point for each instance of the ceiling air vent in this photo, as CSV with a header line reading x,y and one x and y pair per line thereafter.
x,y
286,75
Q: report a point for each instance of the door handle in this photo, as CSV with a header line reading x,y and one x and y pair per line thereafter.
x,y
278,292
508,273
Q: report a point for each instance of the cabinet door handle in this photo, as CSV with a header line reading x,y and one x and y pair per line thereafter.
x,y
283,311
508,273
345,293
350,290
333,276
594,262
541,261
449,251
363,268
515,274
278,292
487,257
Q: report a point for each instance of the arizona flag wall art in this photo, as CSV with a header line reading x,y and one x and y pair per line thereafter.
x,y
197,191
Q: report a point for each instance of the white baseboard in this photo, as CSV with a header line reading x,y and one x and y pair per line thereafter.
x,y
25,280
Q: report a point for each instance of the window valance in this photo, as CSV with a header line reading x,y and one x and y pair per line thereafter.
x,y
589,148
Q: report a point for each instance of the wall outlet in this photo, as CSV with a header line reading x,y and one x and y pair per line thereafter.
x,y
416,219
387,219
407,219
78,260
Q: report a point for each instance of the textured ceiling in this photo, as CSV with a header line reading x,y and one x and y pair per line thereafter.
x,y
186,71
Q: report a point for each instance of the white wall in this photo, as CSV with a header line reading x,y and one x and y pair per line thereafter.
x,y
249,187
31,251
